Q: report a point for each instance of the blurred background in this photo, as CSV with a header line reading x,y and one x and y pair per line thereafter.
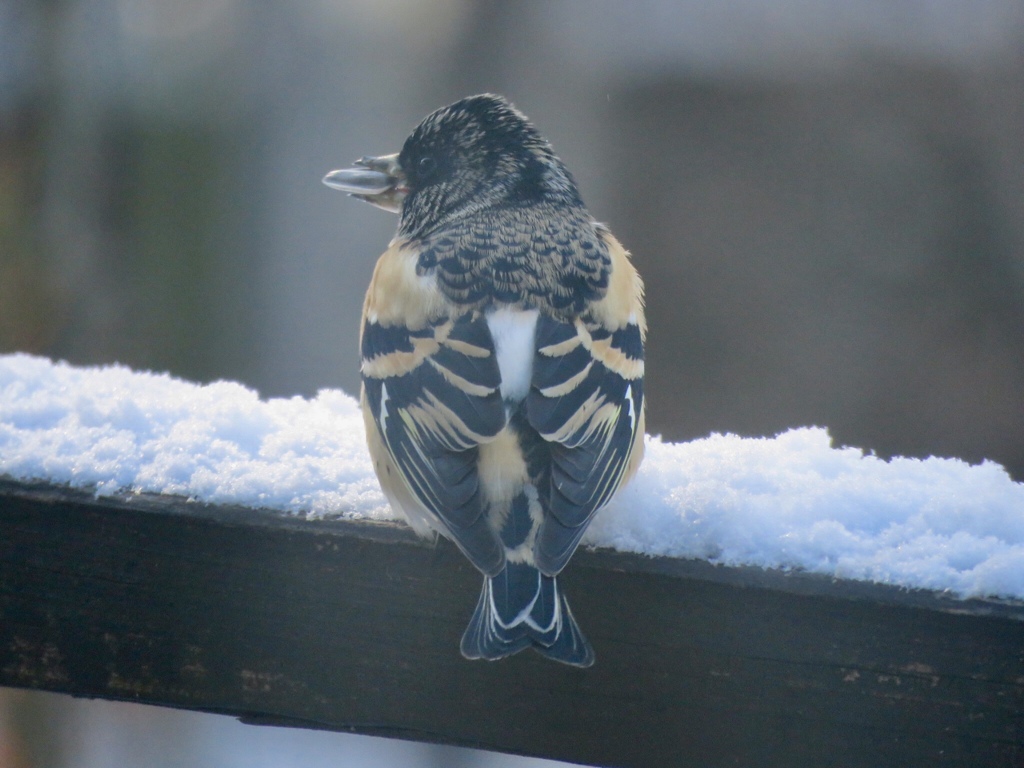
x,y
826,200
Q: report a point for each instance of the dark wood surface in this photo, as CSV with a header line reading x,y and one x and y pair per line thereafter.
x,y
355,626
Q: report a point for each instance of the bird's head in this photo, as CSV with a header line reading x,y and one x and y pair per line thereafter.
x,y
476,154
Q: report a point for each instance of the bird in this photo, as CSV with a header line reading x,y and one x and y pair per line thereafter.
x,y
502,362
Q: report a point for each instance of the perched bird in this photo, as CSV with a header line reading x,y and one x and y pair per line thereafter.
x,y
502,362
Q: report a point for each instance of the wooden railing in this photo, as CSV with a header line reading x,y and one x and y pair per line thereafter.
x,y
354,626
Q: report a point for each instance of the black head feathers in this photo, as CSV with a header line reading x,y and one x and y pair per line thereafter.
x,y
477,154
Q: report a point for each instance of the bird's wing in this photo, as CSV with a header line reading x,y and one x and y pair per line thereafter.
x,y
587,402
434,396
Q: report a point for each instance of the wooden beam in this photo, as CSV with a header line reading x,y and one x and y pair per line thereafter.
x,y
354,626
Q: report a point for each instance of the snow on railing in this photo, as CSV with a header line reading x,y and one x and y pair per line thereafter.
x,y
793,501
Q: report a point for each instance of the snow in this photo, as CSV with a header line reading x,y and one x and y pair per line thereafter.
x,y
792,502
111,428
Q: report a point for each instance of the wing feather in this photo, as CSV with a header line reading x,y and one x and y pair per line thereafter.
x,y
587,401
596,426
434,397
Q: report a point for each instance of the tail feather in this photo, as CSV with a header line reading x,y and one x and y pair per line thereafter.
x,y
522,608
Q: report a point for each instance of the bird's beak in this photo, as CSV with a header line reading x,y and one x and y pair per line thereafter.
x,y
377,180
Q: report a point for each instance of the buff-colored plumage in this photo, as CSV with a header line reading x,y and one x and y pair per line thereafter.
x,y
502,362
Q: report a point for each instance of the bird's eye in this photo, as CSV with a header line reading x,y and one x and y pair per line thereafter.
x,y
426,165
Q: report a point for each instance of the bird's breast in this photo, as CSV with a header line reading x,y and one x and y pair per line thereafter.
x,y
514,332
